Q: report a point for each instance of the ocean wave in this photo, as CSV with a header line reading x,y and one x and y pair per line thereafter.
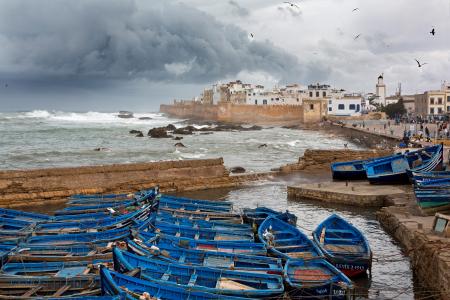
x,y
293,143
192,155
91,117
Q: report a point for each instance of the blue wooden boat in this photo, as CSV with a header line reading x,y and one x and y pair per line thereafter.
x,y
433,184
433,200
199,215
316,279
221,203
14,224
395,169
95,207
256,216
343,245
425,176
286,241
217,281
139,196
220,260
171,204
26,287
55,269
82,217
90,237
201,233
238,247
218,225
60,253
349,170
100,224
22,215
128,287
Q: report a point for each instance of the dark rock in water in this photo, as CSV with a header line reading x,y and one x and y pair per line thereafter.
x,y
145,118
171,127
237,170
206,133
180,145
135,131
140,134
182,130
158,132
254,127
262,146
125,114
101,149
177,138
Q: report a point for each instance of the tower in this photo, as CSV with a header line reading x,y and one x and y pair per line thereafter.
x,y
381,91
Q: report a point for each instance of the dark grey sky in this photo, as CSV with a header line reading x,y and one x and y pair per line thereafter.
x,y
133,54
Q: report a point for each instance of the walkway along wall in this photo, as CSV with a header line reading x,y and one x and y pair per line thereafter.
x,y
254,114
31,187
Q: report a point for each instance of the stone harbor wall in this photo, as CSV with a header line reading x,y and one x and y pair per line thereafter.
x,y
313,158
32,187
249,114
429,253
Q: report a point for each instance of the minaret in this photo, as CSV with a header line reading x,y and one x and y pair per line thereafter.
x,y
381,91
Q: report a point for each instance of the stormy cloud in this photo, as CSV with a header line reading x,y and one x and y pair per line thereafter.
x,y
125,39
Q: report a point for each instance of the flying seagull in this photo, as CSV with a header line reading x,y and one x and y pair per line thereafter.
x,y
355,9
291,4
357,36
433,32
419,64
251,34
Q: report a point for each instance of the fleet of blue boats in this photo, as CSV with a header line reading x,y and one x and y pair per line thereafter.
x,y
151,246
424,168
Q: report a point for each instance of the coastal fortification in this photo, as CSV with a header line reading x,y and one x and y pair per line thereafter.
x,y
242,113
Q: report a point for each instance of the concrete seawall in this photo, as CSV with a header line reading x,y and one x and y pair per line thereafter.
x,y
33,187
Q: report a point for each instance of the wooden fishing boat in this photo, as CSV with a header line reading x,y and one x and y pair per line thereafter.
x,y
255,216
238,247
172,204
90,237
343,245
199,215
433,200
25,287
397,168
349,170
139,196
204,279
5,249
201,233
22,215
425,176
62,253
220,260
286,241
316,279
54,269
218,225
220,203
433,184
101,224
131,288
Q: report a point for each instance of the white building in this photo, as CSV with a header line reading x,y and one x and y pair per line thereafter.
x,y
380,91
345,105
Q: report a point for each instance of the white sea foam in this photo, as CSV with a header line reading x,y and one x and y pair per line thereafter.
x,y
293,143
157,119
192,155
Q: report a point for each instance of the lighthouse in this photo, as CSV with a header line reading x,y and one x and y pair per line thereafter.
x,y
381,91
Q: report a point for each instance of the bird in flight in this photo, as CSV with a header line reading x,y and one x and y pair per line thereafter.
x,y
251,34
433,32
355,9
357,36
420,64
291,4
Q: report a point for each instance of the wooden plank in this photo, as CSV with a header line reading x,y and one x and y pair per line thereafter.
x,y
32,291
61,290
133,272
